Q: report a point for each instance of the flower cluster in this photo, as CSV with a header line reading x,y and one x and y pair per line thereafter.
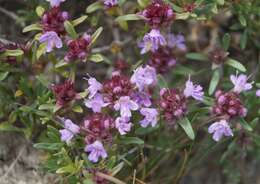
x,y
228,105
78,48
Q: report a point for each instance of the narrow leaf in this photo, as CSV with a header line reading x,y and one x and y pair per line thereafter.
x,y
129,17
94,7
96,58
196,56
132,140
70,29
245,125
214,81
235,64
186,125
79,20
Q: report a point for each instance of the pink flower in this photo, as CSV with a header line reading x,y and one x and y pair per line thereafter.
x,y
258,93
177,41
110,3
144,77
152,41
51,39
220,129
151,117
55,3
240,83
125,105
96,103
123,125
94,87
194,91
142,98
69,131
96,150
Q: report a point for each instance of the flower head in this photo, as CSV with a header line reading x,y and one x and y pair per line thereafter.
x,y
78,48
150,117
125,105
69,131
64,93
94,87
98,126
228,104
173,104
194,91
52,40
96,103
240,83
158,14
55,3
162,60
53,20
96,150
123,125
110,3
144,77
220,129
152,41
177,41
218,56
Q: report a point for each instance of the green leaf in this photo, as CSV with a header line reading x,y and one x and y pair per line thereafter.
x,y
48,146
79,20
196,56
96,58
242,20
96,35
67,169
3,75
43,80
62,63
129,17
32,27
245,125
235,64
40,11
46,107
131,140
94,7
143,3
182,70
182,16
214,81
7,126
77,109
41,50
186,125
243,40
226,41
70,29
14,53
221,2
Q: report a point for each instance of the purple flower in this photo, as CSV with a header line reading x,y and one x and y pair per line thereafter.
x,y
142,98
96,150
110,3
125,105
240,83
94,87
150,117
52,40
123,125
220,129
70,129
194,91
55,3
96,103
176,41
152,41
258,93
143,77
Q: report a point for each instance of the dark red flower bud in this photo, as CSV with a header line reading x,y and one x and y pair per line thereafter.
x,y
98,127
53,20
173,104
64,93
228,104
218,56
158,13
162,60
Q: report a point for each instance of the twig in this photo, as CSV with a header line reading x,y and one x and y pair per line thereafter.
x,y
13,164
110,178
